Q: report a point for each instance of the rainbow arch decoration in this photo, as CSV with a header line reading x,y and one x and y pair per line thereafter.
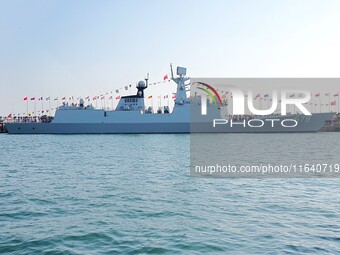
x,y
210,91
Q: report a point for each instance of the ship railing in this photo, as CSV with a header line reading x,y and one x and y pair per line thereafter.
x,y
242,117
29,119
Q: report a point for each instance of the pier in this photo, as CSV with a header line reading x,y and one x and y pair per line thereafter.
x,y
332,125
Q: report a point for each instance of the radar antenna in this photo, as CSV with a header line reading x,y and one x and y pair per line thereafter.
x,y
146,80
172,72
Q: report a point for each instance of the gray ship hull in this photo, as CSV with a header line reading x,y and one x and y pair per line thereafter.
x,y
312,124
97,128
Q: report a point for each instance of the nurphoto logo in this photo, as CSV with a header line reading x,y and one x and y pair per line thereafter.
x,y
239,99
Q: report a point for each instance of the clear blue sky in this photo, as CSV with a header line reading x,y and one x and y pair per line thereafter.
x,y
64,48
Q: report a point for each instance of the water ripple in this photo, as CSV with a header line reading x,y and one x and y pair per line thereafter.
x,y
124,194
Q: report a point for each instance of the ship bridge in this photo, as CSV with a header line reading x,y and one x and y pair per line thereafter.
x,y
133,102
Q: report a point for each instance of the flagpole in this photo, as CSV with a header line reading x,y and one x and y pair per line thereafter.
x,y
320,103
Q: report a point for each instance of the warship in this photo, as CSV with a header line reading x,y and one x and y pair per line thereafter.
x,y
131,117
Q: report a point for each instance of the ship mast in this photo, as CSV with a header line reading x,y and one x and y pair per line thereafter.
x,y
146,80
181,96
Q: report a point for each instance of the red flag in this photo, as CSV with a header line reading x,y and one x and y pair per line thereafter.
x,y
64,98
317,95
9,115
174,96
32,98
336,95
118,97
257,96
25,98
94,98
165,77
333,103
149,97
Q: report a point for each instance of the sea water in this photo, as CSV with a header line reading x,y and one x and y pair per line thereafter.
x,y
132,194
